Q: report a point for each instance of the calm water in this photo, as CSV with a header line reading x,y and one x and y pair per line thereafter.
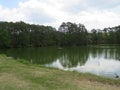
x,y
99,60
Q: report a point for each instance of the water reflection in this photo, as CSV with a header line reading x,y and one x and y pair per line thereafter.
x,y
99,61
100,67
102,60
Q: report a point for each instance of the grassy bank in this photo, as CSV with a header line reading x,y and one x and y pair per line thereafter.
x,y
18,76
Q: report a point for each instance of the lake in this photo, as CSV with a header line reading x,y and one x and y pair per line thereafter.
x,y
99,60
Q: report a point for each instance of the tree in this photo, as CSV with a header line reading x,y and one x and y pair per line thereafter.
x,y
74,34
5,38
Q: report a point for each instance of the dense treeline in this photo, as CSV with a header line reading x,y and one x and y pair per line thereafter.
x,y
106,36
20,34
73,34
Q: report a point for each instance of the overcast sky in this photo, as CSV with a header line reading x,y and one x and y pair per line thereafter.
x,y
91,13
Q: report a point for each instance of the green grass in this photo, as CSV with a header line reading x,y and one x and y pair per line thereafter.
x,y
15,75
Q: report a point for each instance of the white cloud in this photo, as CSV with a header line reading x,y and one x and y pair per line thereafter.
x,y
99,19
7,14
54,12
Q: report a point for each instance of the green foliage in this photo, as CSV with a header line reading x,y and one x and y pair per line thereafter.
x,y
74,34
106,36
20,34
5,38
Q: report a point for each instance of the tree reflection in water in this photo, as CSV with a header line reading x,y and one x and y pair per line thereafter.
x,y
95,59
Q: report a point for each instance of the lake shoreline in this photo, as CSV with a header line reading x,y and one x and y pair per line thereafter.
x,y
16,75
